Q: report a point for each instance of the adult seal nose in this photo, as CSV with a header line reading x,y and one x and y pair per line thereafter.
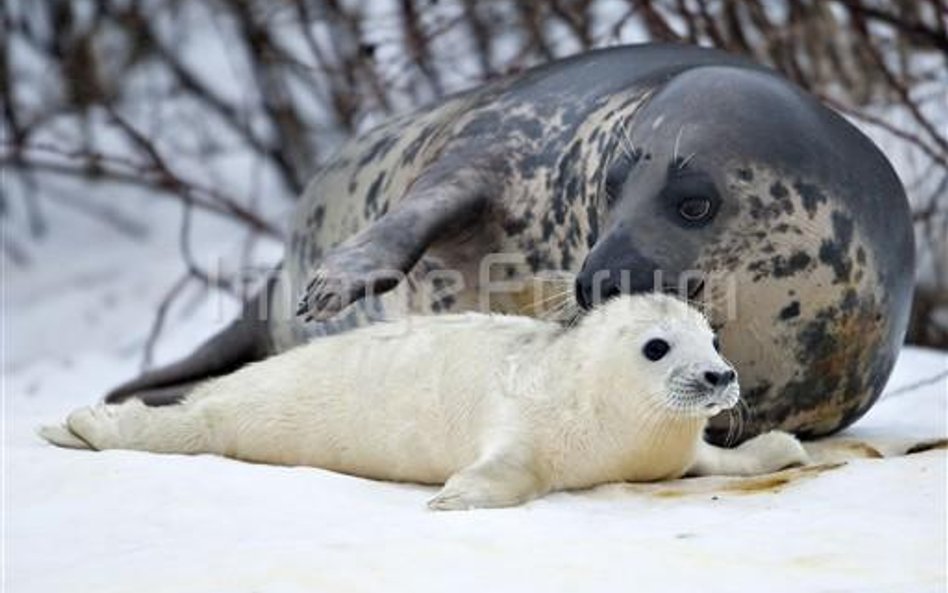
x,y
616,267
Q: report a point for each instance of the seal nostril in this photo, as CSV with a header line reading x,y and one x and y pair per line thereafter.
x,y
719,379
587,297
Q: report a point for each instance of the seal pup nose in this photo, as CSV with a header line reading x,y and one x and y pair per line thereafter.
x,y
717,379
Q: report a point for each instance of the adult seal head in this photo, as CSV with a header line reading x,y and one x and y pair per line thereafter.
x,y
674,167
749,195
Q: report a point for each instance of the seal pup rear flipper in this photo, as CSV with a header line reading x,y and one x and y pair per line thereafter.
x,y
245,340
61,436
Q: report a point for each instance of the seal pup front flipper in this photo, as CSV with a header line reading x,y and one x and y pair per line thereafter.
x,y
441,202
765,453
506,478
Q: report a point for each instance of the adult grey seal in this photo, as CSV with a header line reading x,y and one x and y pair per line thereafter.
x,y
641,167
500,409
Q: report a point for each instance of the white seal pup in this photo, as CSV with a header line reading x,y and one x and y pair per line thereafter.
x,y
500,409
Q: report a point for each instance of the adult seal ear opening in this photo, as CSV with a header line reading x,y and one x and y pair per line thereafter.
x,y
679,166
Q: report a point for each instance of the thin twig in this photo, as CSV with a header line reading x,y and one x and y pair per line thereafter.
x,y
916,385
159,321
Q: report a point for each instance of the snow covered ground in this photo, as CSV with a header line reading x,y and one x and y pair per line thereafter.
x,y
126,521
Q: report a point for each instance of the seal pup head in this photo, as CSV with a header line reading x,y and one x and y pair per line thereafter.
x,y
742,191
664,351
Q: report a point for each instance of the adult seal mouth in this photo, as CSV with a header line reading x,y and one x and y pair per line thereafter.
x,y
643,159
591,294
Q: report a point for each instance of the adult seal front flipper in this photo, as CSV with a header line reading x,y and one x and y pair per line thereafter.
x,y
376,259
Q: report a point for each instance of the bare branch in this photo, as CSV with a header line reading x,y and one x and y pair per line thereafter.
x,y
98,166
158,322
917,31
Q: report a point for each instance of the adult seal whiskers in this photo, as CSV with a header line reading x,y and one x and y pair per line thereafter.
x,y
656,166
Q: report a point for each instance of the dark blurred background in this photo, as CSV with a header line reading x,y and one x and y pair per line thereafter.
x,y
229,106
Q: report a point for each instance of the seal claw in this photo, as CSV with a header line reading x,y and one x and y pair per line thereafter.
x,y
328,294
345,276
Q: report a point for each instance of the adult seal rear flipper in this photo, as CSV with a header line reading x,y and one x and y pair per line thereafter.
x,y
245,340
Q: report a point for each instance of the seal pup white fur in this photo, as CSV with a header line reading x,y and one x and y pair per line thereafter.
x,y
501,408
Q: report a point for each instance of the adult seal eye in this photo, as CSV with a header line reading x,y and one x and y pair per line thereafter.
x,y
655,349
695,209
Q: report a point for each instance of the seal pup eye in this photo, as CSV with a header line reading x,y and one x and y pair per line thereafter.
x,y
656,349
717,344
695,209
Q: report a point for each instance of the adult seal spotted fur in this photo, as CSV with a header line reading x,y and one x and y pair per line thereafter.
x,y
501,408
634,168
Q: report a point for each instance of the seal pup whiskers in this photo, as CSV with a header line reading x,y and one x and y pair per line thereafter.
x,y
501,409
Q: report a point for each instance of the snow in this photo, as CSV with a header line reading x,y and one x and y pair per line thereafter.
x,y
124,521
